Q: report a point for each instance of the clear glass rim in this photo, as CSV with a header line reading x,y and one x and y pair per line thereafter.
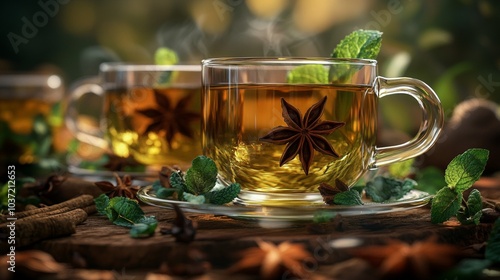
x,y
228,61
131,67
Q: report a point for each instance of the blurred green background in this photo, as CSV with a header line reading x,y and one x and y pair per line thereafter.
x,y
453,45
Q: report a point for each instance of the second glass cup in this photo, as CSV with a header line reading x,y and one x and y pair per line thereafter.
x,y
150,112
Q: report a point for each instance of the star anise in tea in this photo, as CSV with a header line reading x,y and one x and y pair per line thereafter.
x,y
168,118
303,135
272,261
420,260
123,187
328,192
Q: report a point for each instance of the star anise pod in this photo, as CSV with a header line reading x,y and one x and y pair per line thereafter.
x,y
328,192
420,260
303,135
123,187
273,261
172,120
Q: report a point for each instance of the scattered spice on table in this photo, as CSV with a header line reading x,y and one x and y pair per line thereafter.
x,y
183,229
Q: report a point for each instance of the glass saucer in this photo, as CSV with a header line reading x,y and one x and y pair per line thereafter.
x,y
413,199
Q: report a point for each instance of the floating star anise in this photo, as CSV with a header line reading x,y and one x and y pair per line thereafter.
x,y
303,135
420,260
123,187
172,120
272,261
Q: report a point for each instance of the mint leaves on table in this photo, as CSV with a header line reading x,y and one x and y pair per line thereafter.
x,y
361,44
198,185
126,212
461,173
388,189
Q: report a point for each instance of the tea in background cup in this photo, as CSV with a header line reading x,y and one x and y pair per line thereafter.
x,y
280,140
32,133
150,112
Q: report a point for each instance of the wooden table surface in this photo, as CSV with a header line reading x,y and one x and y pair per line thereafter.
x,y
102,245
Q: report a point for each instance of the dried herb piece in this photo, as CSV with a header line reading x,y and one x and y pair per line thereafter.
x,y
123,187
172,120
303,135
183,229
419,260
272,260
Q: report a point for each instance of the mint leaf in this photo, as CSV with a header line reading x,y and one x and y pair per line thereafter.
x,y
445,205
359,44
196,199
124,211
467,269
471,214
386,189
144,227
350,197
493,247
101,203
308,74
201,176
165,192
224,195
323,216
177,181
166,56
465,169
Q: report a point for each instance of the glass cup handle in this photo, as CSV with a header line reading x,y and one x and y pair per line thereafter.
x,y
90,135
430,127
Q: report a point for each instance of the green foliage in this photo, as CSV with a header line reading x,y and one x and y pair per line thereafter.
x,y
323,216
308,74
465,169
198,185
471,213
461,173
350,197
201,176
445,205
166,56
126,212
401,169
359,44
385,189
224,195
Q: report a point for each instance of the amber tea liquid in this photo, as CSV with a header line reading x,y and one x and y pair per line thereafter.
x,y
156,126
236,117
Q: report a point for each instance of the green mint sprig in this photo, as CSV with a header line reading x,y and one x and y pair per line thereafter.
x,y
198,185
461,173
126,212
361,44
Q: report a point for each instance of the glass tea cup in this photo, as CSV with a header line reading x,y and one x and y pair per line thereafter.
x,y
282,126
32,132
151,113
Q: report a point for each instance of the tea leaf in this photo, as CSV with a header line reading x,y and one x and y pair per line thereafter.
x,y
385,189
145,227
445,204
196,199
466,168
359,44
201,176
308,74
350,197
224,195
493,248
